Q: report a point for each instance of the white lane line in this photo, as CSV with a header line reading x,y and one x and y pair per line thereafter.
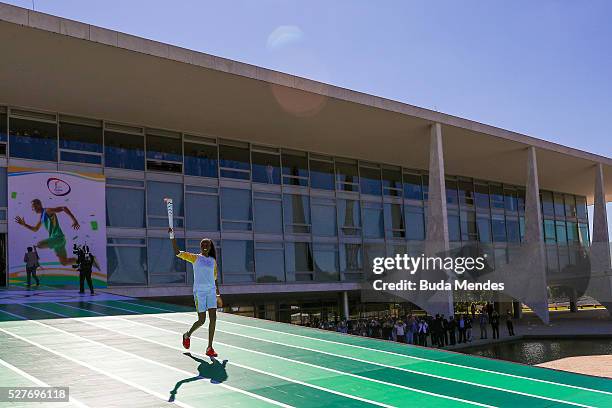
x,y
383,351
133,321
380,364
39,382
161,396
88,321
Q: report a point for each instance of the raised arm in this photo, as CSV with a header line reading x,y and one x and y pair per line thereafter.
x,y
173,240
75,223
34,228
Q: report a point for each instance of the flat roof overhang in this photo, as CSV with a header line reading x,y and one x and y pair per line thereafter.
x,y
59,65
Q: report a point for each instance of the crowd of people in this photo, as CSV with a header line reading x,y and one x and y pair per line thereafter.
x,y
435,331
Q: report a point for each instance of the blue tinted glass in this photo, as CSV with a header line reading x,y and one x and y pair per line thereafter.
x,y
161,258
349,216
33,140
482,196
268,216
80,157
415,223
238,257
326,263
125,207
499,228
483,223
232,157
124,151
298,258
294,165
200,160
512,227
370,182
296,209
373,222
561,232
202,212
581,207
323,220
164,148
454,232
266,168
510,201
270,265
3,127
351,258
157,191
413,189
236,204
321,175
126,265
80,137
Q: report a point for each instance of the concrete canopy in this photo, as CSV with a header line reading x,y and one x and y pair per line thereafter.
x,y
58,65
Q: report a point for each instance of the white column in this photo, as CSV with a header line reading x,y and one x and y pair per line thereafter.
x,y
534,240
345,305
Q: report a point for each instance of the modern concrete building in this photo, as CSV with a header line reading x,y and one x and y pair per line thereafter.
x,y
298,182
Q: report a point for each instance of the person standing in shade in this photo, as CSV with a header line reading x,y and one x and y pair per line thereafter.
x,y
31,259
445,331
452,324
495,324
473,310
86,262
461,326
483,320
400,331
509,323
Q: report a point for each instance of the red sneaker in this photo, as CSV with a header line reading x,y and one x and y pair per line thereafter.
x,y
186,342
210,352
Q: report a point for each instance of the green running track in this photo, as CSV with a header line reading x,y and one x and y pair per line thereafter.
x,y
129,354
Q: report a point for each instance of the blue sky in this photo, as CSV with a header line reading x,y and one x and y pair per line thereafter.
x,y
542,68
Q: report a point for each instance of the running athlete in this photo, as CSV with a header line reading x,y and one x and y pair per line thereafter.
x,y
205,289
48,218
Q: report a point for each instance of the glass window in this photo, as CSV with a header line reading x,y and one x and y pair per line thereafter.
x,y
510,201
583,229
236,209
392,181
570,206
559,205
499,227
497,196
548,208
349,217
124,150
266,167
237,258
549,231
161,258
521,200
370,182
295,168
373,221
394,220
269,262
481,195
80,137
126,265
466,193
561,232
268,213
581,208
298,259
572,232
200,159
454,230
324,217
326,262
322,174
415,223
234,161
31,139
3,187
351,261
202,212
3,127
413,187
125,207
512,227
552,261
296,210
468,226
157,191
451,192
425,187
483,223
164,153
347,176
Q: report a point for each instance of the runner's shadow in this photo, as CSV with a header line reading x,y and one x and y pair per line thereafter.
x,y
214,371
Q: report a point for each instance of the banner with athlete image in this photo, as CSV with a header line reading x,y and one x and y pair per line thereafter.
x,y
51,211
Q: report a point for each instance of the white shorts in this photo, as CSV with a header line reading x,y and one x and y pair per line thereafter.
x,y
205,300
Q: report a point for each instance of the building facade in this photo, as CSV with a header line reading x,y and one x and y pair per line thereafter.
x,y
287,220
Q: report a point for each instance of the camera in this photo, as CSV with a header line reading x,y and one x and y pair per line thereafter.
x,y
81,251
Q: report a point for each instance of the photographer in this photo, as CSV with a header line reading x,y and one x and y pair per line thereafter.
x,y
85,262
